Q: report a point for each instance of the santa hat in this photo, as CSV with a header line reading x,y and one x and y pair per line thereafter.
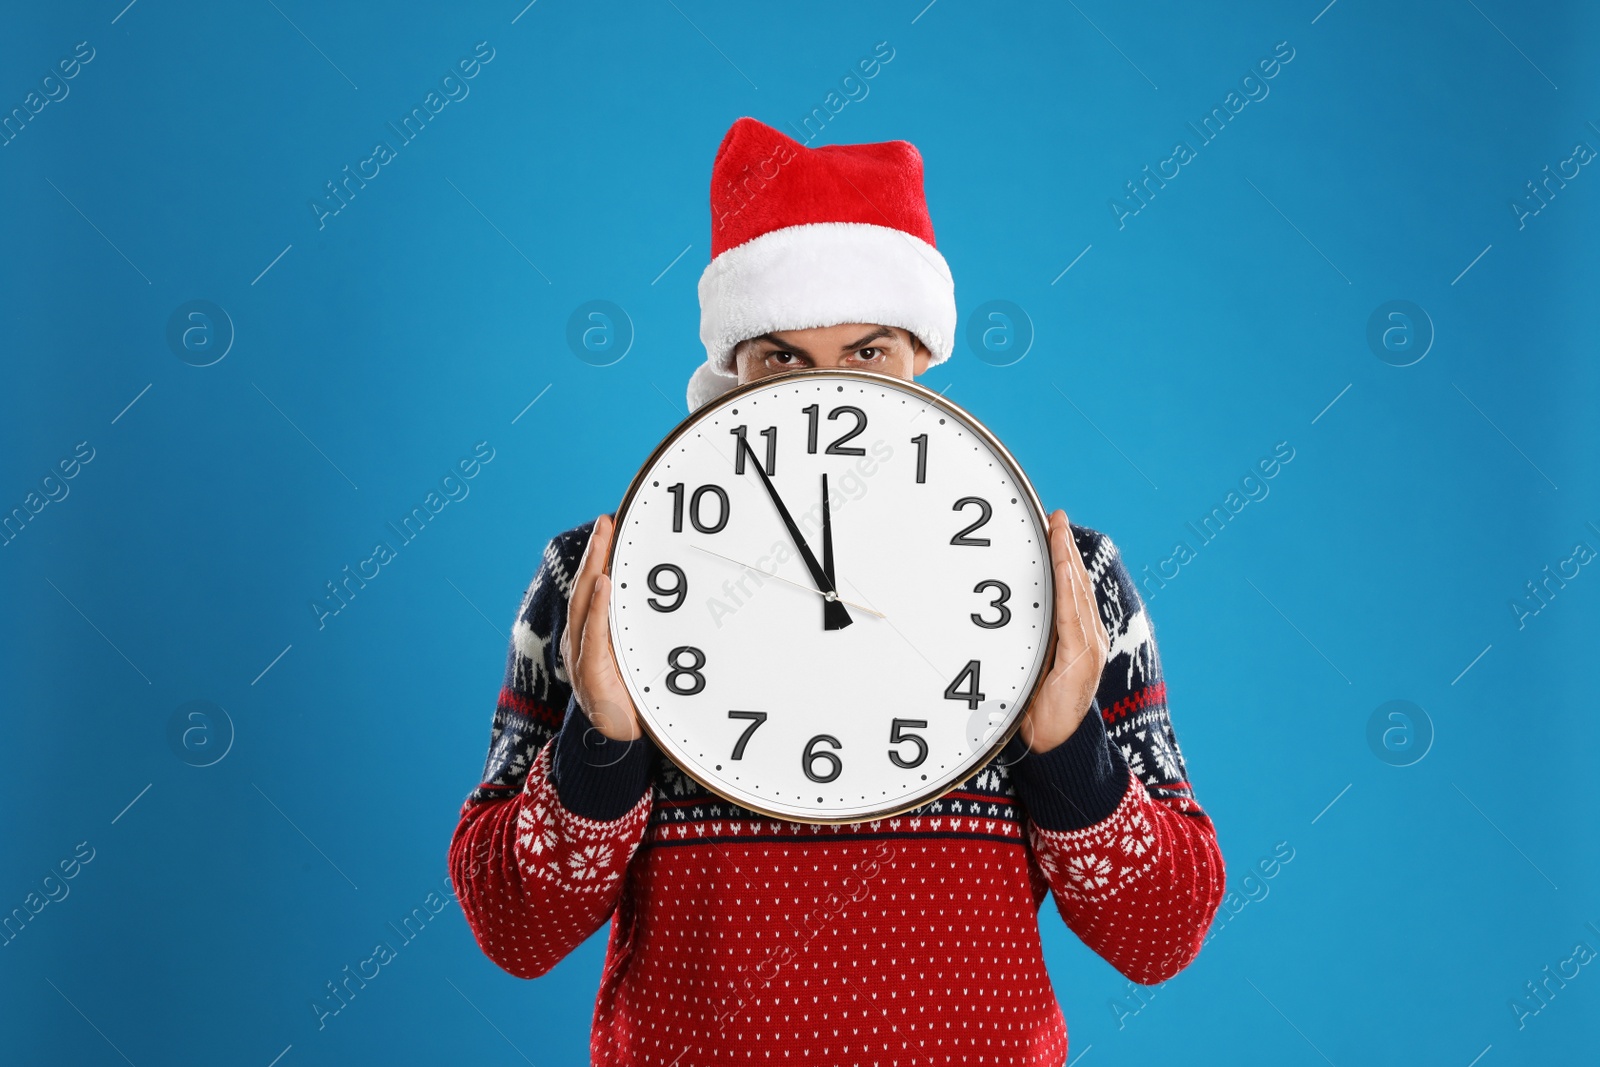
x,y
805,237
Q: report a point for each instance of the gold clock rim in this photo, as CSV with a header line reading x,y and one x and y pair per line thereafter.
x,y
938,400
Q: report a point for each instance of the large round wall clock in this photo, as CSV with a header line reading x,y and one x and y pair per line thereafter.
x,y
832,596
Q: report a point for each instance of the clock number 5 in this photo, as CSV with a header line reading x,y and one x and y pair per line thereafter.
x,y
971,696
756,719
961,537
896,736
809,758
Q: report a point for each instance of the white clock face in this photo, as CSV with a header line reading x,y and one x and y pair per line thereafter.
x,y
870,658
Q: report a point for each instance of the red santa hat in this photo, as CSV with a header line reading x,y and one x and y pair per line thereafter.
x,y
805,237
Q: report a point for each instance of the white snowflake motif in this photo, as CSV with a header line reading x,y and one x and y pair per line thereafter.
x,y
1137,838
589,862
1164,748
1089,871
1134,756
536,839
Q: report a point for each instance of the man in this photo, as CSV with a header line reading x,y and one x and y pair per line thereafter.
x,y
914,939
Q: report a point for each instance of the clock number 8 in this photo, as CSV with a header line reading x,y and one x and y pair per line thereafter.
x,y
896,737
809,757
692,669
971,696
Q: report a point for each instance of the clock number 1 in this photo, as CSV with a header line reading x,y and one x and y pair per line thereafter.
x,y
756,719
971,696
921,441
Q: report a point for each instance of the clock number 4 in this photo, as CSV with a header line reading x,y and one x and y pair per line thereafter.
x,y
970,695
756,719
838,448
961,537
771,463
695,509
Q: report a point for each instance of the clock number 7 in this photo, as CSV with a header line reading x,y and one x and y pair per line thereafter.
x,y
756,719
971,696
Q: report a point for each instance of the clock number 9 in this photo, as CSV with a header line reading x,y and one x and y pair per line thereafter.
x,y
971,696
809,757
838,448
679,589
998,602
694,508
692,669
961,537
896,737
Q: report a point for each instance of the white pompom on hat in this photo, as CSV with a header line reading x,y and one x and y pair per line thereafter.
x,y
807,237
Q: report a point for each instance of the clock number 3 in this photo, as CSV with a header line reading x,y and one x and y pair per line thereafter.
x,y
998,602
697,659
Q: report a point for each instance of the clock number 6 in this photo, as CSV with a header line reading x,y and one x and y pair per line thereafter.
x,y
809,757
998,602
692,669
971,696
896,737
756,719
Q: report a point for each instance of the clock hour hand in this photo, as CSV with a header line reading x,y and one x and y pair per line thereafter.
x,y
835,616
827,538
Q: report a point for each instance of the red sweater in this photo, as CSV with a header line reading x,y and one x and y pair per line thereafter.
x,y
737,938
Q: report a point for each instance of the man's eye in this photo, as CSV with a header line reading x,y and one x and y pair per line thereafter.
x,y
781,357
868,353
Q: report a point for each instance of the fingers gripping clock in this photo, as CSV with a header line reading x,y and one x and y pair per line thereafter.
x,y
832,596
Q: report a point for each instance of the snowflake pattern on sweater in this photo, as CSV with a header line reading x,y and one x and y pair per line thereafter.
x,y
911,939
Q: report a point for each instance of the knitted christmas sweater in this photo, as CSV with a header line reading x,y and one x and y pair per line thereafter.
x,y
738,938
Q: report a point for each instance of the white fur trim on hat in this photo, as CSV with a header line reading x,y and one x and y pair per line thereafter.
x,y
707,383
823,274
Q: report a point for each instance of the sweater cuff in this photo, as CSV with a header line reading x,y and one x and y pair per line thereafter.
x,y
1075,785
595,776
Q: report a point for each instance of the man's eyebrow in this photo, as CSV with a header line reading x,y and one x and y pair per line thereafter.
x,y
881,331
784,345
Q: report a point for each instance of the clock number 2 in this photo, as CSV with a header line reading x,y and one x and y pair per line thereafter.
x,y
971,696
756,719
697,659
961,537
896,736
809,758
838,448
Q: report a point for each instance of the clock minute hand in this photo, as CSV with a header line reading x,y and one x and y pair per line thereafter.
x,y
835,616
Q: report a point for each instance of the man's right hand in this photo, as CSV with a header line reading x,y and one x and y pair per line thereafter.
x,y
586,644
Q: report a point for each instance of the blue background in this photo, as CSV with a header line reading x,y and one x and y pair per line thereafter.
x,y
371,354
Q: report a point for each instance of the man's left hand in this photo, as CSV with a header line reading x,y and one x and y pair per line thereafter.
x,y
1072,674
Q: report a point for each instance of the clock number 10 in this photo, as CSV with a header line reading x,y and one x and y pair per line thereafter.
x,y
694,508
